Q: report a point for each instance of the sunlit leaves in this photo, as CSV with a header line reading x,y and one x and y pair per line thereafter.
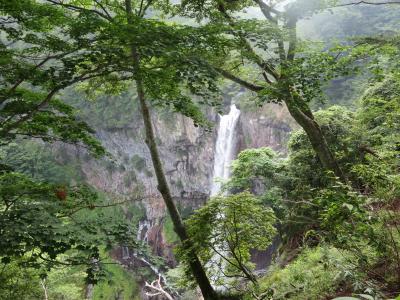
x,y
252,165
229,227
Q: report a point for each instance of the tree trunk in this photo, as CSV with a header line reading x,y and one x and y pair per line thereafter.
x,y
89,291
43,284
317,139
194,262
195,265
299,110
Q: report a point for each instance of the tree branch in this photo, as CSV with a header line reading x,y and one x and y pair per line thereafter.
x,y
101,206
244,83
105,16
104,10
291,25
267,10
35,67
144,9
266,67
89,75
367,3
156,286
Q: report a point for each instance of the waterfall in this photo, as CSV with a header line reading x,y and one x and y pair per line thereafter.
x,y
142,235
125,253
143,229
225,148
154,269
224,154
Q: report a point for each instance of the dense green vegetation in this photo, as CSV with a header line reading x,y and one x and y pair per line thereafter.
x,y
335,238
329,212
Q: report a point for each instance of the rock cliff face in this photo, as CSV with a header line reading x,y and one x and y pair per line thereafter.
x,y
268,126
187,153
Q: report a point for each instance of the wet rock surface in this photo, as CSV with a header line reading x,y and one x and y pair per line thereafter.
x,y
187,154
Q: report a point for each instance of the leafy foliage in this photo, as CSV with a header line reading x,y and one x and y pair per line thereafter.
x,y
20,283
36,222
312,207
315,274
226,229
55,49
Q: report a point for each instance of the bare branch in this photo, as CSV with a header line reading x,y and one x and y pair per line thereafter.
x,y
367,3
157,289
267,10
105,16
143,7
93,206
104,10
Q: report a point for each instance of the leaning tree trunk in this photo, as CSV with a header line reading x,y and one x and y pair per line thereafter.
x,y
194,262
301,112
317,138
302,115
195,265
89,291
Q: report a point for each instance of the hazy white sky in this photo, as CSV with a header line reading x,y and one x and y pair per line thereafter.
x,y
255,12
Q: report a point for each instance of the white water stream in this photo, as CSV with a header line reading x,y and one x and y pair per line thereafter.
x,y
126,254
225,148
143,228
224,154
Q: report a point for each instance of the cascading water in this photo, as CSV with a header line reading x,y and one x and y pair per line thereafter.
x,y
225,148
126,254
224,154
142,235
143,229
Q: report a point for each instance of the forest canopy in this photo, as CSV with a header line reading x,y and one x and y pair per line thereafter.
x,y
115,116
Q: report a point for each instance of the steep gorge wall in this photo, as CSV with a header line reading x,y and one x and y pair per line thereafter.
x,y
187,153
267,126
